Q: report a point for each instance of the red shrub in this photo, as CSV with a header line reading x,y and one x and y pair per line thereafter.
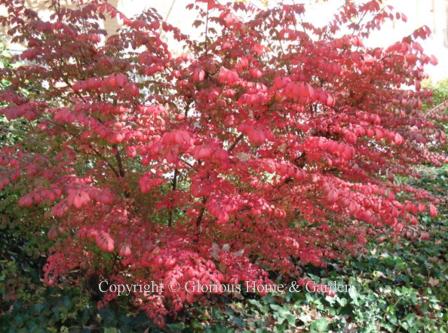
x,y
269,144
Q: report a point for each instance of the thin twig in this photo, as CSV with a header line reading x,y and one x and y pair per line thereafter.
x,y
174,185
233,145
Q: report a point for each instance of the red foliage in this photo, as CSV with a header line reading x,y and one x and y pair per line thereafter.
x,y
270,144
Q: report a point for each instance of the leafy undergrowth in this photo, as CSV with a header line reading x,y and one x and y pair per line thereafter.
x,y
394,287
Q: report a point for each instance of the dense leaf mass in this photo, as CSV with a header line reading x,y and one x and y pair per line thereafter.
x,y
268,144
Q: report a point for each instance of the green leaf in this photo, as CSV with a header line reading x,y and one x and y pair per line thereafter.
x,y
319,325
